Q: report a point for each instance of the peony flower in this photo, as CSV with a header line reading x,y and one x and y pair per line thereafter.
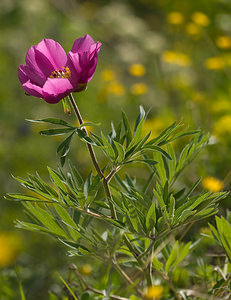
x,y
50,74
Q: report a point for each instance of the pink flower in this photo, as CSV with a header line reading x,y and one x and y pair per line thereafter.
x,y
50,74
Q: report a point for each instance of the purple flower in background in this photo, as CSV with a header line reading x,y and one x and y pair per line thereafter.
x,y
50,74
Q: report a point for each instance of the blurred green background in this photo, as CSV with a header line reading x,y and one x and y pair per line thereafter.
x,y
171,56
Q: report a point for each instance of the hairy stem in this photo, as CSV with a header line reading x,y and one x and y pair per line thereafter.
x,y
94,159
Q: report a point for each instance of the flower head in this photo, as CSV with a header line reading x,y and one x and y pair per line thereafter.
x,y
175,18
139,88
86,269
212,184
155,291
9,248
223,42
51,74
215,63
137,70
200,19
176,58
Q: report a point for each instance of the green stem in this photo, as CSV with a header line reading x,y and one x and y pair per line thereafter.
x,y
94,159
146,269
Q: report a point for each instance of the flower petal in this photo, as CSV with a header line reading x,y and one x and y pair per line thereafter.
x,y
56,89
32,89
73,62
23,77
83,65
32,63
54,52
25,73
46,57
43,63
82,44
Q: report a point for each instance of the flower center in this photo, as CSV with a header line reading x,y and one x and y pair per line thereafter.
x,y
65,72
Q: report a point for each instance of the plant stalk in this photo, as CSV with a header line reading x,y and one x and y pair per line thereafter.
x,y
94,159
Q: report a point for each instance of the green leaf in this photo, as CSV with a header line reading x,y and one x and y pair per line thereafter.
x,y
164,134
171,207
120,150
223,234
57,180
139,118
65,217
136,137
67,286
165,192
182,134
118,133
160,168
64,148
56,131
87,185
127,129
82,135
99,140
159,199
151,216
108,147
171,163
76,176
159,149
52,121
89,124
185,214
149,162
172,257
46,219
182,158
65,145
157,264
21,197
32,227
178,253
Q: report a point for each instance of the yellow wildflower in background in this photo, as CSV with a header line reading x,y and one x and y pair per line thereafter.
x,y
155,291
9,248
137,70
176,58
139,89
223,42
222,127
108,75
86,269
192,29
212,184
215,63
115,88
200,19
175,18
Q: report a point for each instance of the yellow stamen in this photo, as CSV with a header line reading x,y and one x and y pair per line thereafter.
x,y
65,73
